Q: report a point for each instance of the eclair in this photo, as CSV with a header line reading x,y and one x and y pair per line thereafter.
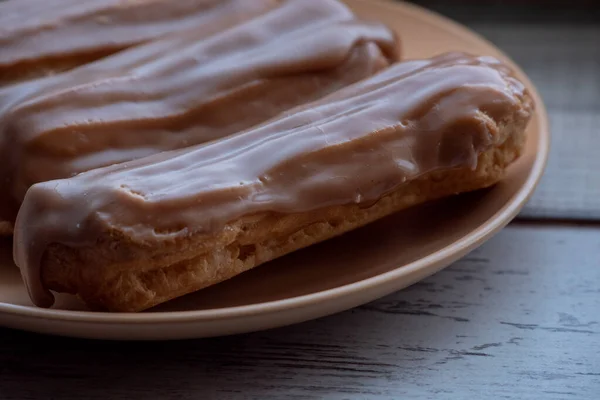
x,y
40,37
130,236
181,91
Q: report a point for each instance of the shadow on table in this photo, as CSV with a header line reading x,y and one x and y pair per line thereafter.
x,y
395,336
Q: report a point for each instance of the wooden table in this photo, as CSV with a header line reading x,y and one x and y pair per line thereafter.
x,y
519,318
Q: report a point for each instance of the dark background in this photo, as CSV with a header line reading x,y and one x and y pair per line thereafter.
x,y
512,11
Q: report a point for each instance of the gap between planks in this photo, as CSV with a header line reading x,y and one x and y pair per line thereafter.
x,y
555,222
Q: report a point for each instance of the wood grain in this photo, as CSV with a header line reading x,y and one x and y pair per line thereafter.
x,y
516,319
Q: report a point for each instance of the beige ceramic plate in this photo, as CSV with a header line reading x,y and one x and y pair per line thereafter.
x,y
332,276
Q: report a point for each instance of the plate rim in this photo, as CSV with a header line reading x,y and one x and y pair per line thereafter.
x,y
486,230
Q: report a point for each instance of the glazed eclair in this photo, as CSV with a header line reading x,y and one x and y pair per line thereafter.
x,y
40,37
181,91
128,237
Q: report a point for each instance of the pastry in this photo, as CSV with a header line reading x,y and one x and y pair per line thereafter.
x,y
40,37
130,236
181,91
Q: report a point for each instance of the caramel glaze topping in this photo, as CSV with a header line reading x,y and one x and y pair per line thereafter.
x,y
181,91
61,34
353,146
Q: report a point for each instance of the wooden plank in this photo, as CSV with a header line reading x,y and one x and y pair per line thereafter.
x,y
516,319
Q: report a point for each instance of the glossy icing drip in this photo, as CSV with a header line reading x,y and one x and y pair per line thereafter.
x,y
181,91
56,35
354,146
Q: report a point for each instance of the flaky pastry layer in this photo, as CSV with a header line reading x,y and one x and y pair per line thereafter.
x,y
250,241
128,237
